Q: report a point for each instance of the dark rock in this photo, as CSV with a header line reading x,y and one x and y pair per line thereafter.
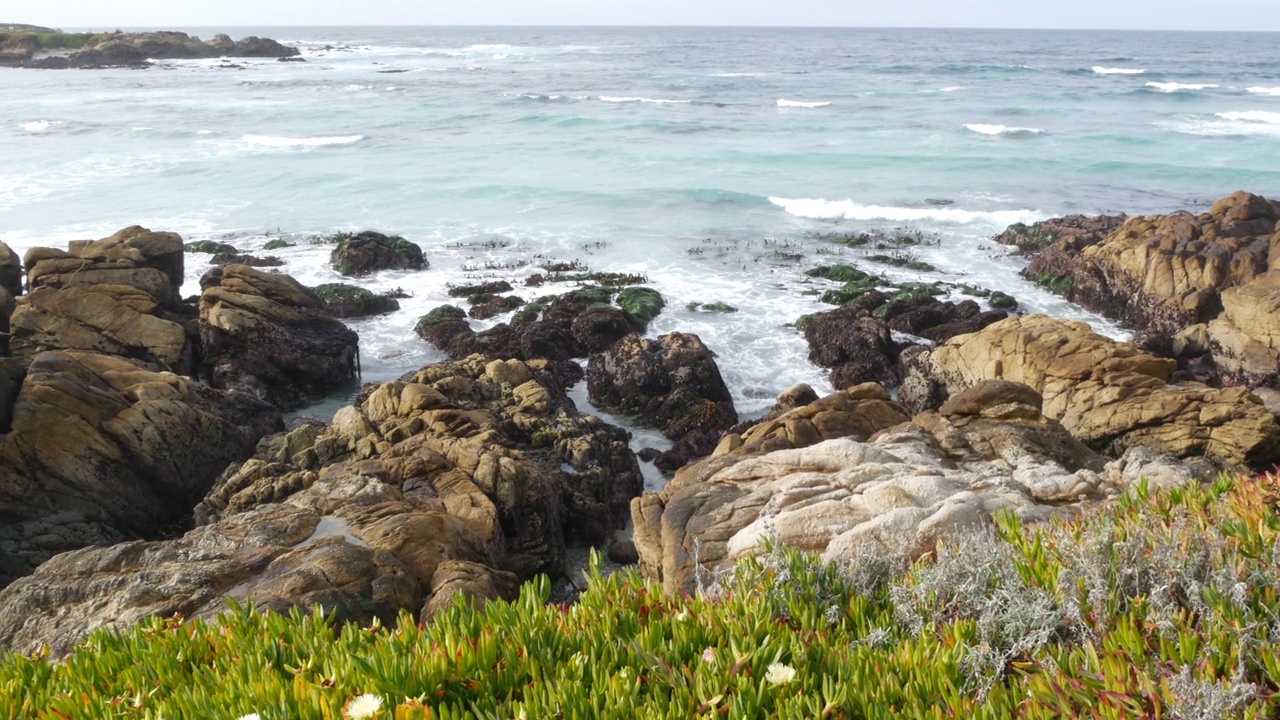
x,y
857,347
223,260
103,451
10,271
493,287
346,301
672,383
486,306
210,246
369,251
624,553
269,336
596,329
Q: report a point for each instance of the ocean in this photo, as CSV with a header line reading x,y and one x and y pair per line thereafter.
x,y
713,161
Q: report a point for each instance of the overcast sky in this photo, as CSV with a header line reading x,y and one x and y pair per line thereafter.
x,y
1120,14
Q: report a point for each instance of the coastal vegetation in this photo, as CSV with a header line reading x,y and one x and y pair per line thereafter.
x,y
1163,604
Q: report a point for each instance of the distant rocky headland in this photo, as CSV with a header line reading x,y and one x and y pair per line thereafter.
x,y
31,46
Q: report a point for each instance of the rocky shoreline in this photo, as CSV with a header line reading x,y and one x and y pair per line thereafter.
x,y
145,469
48,49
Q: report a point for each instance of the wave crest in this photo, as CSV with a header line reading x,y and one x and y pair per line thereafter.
x,y
654,101
983,129
1170,87
1264,90
275,141
1117,71
819,209
783,103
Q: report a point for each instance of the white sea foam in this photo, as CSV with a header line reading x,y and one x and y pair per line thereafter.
x,y
204,132
1175,87
500,56
1252,116
819,209
952,88
983,129
1117,71
489,46
738,74
274,141
655,101
800,104
1257,90
36,127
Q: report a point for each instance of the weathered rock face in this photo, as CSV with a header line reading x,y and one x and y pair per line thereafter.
x,y
1069,234
103,451
149,261
118,320
879,484
494,442
10,271
370,251
360,552
1164,272
458,479
269,336
1107,394
671,383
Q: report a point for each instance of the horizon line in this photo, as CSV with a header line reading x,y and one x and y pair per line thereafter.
x,y
673,27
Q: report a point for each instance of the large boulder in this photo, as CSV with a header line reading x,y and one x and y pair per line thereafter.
x,y
1108,394
370,251
1164,272
102,451
870,483
119,320
459,479
672,383
137,257
267,335
351,546
10,271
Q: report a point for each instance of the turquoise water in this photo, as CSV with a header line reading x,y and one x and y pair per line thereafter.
x,y
706,158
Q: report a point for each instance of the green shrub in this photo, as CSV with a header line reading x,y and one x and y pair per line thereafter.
x,y
1161,605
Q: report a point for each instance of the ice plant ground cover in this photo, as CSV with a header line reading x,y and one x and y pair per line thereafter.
x,y
1162,605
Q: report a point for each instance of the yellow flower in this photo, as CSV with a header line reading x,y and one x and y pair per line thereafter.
x,y
779,674
364,707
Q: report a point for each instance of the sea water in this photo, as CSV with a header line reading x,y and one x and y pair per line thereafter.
x,y
710,160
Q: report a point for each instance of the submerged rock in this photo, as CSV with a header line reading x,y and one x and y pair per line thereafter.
x,y
350,301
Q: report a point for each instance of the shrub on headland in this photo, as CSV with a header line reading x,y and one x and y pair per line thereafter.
x,y
1162,605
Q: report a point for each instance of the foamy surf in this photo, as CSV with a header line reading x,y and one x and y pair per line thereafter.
x,y
274,141
801,104
1252,116
653,101
1264,90
819,209
1170,87
1117,71
35,127
995,130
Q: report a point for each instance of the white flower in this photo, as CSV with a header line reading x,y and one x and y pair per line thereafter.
x,y
709,655
364,707
779,674
682,616
250,716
